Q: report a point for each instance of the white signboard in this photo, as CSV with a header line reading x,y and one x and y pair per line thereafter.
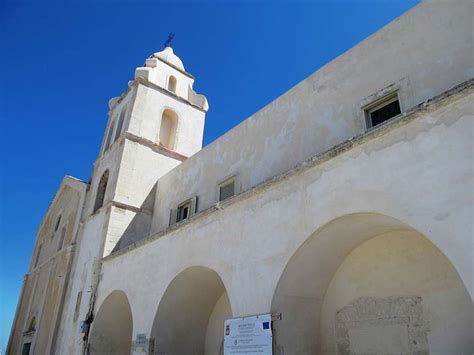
x,y
248,335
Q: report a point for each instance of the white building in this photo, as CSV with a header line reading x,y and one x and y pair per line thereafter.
x,y
346,205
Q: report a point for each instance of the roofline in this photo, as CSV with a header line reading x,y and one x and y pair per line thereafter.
x,y
184,72
68,180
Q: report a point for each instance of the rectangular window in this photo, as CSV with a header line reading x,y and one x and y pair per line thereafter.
x,y
184,211
382,110
227,189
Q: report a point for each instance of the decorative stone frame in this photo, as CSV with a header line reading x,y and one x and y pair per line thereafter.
x,y
383,312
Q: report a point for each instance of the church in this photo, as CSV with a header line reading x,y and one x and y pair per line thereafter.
x,y
343,210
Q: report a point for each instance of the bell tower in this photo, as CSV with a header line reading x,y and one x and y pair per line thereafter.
x,y
154,126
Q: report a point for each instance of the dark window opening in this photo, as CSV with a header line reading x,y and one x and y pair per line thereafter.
x,y
101,189
109,136
61,240
120,124
385,110
58,221
226,190
26,349
38,255
183,211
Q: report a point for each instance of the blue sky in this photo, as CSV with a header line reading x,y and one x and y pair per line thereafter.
x,y
62,61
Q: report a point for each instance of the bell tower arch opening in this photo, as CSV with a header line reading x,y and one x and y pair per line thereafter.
x,y
172,83
168,128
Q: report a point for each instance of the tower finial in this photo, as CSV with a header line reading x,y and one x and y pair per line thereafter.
x,y
168,41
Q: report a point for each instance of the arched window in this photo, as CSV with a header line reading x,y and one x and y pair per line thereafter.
x,y
118,131
58,222
109,135
61,240
99,198
172,84
32,326
169,123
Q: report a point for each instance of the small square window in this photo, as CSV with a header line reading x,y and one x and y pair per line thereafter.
x,y
227,189
382,110
184,211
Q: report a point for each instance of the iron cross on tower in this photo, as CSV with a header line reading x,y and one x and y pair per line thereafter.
x,y
168,41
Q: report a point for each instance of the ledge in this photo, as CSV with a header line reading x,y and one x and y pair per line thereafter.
x,y
372,133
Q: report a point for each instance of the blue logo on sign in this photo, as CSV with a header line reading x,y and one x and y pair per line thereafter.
x,y
266,325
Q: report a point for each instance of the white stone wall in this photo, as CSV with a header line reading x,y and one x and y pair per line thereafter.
x,y
423,53
417,171
146,119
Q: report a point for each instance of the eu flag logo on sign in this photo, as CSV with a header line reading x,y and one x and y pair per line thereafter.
x,y
266,325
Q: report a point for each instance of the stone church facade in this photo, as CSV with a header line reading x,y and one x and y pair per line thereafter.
x,y
345,207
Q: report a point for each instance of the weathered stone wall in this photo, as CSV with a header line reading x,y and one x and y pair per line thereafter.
x,y
47,277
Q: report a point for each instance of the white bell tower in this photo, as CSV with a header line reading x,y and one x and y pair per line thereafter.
x,y
154,126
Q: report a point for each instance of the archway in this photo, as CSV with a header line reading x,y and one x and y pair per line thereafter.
x,y
169,124
112,329
190,316
366,282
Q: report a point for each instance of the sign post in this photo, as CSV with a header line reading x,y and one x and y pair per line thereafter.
x,y
248,335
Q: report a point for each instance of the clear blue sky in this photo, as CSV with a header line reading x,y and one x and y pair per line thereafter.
x,y
62,61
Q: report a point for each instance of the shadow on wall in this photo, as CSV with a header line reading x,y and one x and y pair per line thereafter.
x,y
112,329
368,283
140,226
191,314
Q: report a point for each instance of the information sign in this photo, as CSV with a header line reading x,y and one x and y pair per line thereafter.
x,y
248,335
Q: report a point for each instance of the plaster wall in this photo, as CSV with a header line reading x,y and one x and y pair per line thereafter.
x,y
91,238
160,74
404,170
215,326
146,119
423,53
140,168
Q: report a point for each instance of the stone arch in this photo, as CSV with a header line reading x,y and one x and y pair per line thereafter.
x,y
190,316
172,84
112,328
168,127
322,314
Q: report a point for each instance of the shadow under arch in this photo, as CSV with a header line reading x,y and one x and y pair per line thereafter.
x,y
301,290
191,313
112,329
